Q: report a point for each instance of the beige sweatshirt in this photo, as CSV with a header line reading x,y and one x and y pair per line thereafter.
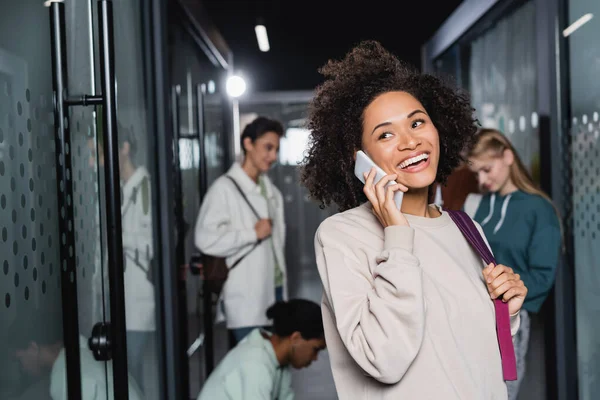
x,y
406,311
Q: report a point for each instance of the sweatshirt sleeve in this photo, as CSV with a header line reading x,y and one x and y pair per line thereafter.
x,y
214,233
379,311
249,382
515,323
542,254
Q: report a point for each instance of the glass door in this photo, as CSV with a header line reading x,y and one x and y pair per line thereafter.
x,y
198,124
112,195
584,65
38,313
136,148
78,315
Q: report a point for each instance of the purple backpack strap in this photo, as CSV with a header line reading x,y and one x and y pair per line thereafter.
x,y
507,351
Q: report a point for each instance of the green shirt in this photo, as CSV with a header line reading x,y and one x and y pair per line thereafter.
x,y
249,372
278,273
523,231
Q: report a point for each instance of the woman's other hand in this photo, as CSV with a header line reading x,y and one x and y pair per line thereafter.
x,y
502,282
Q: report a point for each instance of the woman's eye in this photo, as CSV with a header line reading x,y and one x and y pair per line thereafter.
x,y
417,123
385,135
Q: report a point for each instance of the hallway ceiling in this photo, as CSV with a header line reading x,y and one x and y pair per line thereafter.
x,y
304,35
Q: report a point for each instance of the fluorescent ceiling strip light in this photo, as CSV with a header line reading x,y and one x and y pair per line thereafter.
x,y
577,24
262,38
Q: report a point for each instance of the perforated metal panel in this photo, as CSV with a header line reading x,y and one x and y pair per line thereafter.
x,y
29,241
586,175
28,199
586,240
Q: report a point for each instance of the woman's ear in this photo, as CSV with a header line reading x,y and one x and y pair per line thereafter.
x,y
247,144
295,337
508,156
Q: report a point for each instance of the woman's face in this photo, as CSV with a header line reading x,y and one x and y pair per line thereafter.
x,y
400,138
263,152
493,171
304,352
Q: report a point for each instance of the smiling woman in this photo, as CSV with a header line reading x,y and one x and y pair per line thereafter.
x,y
406,143
338,118
407,302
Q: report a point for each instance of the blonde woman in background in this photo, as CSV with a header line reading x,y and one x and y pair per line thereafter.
x,y
521,224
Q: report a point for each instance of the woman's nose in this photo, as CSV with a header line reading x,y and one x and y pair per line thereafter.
x,y
406,141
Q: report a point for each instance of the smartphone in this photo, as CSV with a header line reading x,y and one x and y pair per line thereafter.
x,y
364,164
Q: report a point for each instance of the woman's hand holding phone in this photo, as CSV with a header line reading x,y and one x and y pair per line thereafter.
x,y
382,199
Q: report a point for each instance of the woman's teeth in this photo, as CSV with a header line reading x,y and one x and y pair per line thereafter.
x,y
410,161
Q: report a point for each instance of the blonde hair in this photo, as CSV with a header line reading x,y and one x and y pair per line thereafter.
x,y
493,141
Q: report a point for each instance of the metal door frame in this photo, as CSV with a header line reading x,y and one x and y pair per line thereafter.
x,y
154,26
195,23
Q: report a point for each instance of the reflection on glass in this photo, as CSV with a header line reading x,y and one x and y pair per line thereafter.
x,y
29,240
138,252
214,137
584,69
37,355
137,236
136,149
189,68
502,82
37,346
188,155
92,284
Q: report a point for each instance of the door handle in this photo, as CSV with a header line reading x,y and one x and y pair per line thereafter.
x,y
104,337
118,338
64,172
99,343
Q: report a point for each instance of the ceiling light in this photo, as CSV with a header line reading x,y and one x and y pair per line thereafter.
x,y
211,87
577,24
236,86
262,37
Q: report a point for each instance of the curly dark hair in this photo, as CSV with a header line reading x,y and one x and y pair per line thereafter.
x,y
336,119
